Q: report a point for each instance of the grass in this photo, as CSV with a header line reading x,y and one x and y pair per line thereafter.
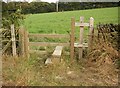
x,y
33,71
60,22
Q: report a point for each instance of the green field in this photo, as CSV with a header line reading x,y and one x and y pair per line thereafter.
x,y
60,22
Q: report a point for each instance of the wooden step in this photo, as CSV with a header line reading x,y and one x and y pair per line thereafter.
x,y
48,61
58,51
56,56
77,45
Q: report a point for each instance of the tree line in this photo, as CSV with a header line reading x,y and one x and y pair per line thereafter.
x,y
44,7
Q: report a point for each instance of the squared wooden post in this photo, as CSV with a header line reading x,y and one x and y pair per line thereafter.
x,y
21,41
72,38
26,43
81,38
91,31
13,40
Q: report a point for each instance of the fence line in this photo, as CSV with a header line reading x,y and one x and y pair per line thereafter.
x,y
50,35
24,43
48,44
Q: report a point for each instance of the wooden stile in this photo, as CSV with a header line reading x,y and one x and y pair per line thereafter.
x,y
81,38
13,40
72,38
82,24
84,45
81,45
25,39
91,31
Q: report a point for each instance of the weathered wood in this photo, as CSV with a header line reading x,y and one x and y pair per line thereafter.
x,y
49,35
13,40
82,24
91,31
81,38
26,43
6,46
58,51
57,54
47,44
48,61
72,38
21,41
77,45
81,45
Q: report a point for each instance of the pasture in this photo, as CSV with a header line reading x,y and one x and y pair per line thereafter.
x,y
60,22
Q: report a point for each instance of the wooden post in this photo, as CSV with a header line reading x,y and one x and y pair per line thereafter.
x,y
13,40
72,38
26,43
91,31
81,38
21,41
27,36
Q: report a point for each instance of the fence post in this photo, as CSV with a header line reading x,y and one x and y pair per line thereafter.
x,y
13,40
91,31
81,38
21,41
72,38
26,43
